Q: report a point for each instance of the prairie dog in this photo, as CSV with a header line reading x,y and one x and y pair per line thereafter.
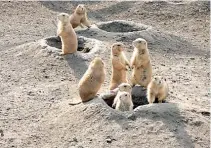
x,y
92,80
122,87
125,87
141,63
123,101
157,88
67,34
120,65
79,17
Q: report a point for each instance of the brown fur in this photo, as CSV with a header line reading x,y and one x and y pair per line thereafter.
x,y
79,17
92,80
141,63
120,65
157,88
67,34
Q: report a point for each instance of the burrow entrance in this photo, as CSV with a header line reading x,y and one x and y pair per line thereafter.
x,y
138,96
121,26
83,44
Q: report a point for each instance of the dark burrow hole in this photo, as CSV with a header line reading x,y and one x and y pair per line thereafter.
x,y
120,27
138,96
83,45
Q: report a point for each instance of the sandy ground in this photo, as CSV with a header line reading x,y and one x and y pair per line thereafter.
x,y
37,84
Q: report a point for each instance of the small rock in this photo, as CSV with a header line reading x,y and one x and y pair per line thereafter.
x,y
108,140
46,77
30,93
62,79
132,117
75,139
1,132
43,47
205,113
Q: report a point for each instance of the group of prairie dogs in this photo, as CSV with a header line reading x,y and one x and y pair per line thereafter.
x,y
92,80
66,25
141,67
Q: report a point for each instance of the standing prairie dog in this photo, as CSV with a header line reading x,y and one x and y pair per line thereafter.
x,y
157,88
92,80
67,34
141,63
120,65
79,17
123,101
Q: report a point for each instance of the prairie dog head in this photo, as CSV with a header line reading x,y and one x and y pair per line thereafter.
x,y
97,63
158,80
80,9
117,48
124,96
140,43
125,87
64,17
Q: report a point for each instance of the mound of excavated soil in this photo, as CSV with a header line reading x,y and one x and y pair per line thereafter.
x,y
95,124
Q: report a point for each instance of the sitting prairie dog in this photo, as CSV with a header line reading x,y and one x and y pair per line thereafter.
x,y
67,34
120,65
123,87
123,101
92,80
157,88
79,17
141,63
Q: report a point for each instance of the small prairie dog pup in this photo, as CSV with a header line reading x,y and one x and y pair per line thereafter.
x,y
123,101
67,34
122,87
157,88
79,17
125,87
92,80
141,63
120,65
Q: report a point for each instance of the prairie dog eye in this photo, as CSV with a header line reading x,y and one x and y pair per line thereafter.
x,y
139,41
118,45
125,95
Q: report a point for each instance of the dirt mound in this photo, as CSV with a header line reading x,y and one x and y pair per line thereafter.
x,y
86,46
147,126
121,26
